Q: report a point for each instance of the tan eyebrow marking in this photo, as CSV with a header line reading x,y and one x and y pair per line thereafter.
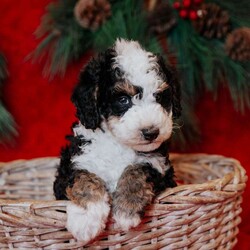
x,y
125,87
162,87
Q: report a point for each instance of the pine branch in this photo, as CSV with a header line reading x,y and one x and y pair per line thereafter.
x,y
203,64
7,124
128,21
3,70
239,11
64,41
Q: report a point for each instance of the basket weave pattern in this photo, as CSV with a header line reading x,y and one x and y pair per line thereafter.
x,y
202,212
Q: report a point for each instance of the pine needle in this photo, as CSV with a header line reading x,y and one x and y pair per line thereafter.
x,y
64,41
128,21
7,124
238,10
3,70
203,64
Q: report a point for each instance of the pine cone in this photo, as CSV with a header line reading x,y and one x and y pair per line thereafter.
x,y
91,14
161,19
214,21
238,44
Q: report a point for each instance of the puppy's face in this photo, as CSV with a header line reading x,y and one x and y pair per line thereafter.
x,y
133,92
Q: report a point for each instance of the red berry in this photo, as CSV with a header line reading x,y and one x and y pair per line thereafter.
x,y
193,15
186,3
183,13
176,5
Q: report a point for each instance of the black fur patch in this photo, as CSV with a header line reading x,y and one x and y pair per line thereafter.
x,y
117,106
165,99
163,150
160,183
94,81
173,93
76,142
65,172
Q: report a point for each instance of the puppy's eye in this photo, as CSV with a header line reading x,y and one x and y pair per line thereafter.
x,y
158,97
124,100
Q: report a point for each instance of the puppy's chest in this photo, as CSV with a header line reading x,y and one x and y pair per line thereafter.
x,y
107,159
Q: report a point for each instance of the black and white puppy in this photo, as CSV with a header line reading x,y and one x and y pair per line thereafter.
x,y
126,101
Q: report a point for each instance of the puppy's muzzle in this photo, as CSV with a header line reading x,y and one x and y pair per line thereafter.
x,y
150,134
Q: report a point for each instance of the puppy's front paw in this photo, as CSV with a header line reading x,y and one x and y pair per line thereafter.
x,y
86,224
125,222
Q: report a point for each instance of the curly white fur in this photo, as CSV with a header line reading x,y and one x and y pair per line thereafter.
x,y
86,224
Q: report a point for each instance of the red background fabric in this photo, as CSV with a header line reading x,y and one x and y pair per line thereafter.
x,y
44,113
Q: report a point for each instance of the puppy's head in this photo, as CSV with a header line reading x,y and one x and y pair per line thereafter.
x,y
133,92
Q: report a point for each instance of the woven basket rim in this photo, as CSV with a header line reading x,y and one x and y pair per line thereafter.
x,y
172,156
215,184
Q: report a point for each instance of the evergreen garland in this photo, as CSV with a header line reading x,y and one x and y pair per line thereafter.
x,y
202,63
63,39
7,124
128,21
239,11
208,65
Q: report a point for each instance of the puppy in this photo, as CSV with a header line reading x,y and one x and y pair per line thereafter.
x,y
126,101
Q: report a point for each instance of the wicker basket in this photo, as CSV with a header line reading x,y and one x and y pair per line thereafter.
x,y
201,213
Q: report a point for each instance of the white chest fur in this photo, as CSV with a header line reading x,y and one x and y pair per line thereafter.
x,y
107,158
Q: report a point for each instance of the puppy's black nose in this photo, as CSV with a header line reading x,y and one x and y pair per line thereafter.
x,y
150,134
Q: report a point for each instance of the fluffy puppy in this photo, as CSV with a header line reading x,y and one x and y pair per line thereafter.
x,y
126,101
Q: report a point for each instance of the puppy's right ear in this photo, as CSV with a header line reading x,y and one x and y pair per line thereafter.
x,y
85,95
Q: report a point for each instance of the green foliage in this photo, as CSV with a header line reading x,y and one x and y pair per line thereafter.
x,y
3,69
238,10
237,78
128,21
7,124
63,39
203,63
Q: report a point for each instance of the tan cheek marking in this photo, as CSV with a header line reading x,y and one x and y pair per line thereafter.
x,y
87,187
113,119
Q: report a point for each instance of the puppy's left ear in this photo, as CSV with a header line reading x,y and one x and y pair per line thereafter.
x,y
171,78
